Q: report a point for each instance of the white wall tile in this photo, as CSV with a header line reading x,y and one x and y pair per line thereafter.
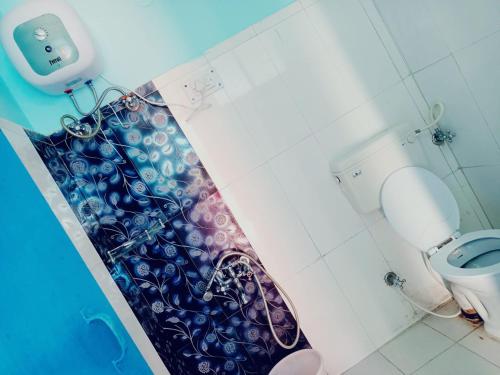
x,y
324,79
261,98
443,82
415,30
458,360
262,210
304,174
327,318
278,17
415,347
358,264
386,37
469,221
212,127
427,31
322,90
231,43
480,65
472,198
349,35
463,22
485,182
407,262
391,108
307,3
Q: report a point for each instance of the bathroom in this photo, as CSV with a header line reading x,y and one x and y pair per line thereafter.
x,y
255,176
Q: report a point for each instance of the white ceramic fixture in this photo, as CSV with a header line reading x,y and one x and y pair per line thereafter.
x,y
422,210
302,362
49,45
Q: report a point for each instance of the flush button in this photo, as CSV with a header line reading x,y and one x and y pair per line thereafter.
x,y
356,173
40,34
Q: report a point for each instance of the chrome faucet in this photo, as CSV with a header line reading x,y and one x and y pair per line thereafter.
x,y
440,136
230,275
233,272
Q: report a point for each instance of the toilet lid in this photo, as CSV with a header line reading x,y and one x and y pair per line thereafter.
x,y
420,207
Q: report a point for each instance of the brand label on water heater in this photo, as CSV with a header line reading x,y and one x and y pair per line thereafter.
x,y
46,44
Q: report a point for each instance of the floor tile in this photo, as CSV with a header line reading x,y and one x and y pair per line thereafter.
x,y
375,364
458,361
455,329
480,343
415,347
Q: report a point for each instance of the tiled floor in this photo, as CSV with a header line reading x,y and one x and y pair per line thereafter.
x,y
435,346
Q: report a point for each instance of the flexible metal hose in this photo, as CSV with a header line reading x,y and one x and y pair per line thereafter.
x,y
95,110
266,306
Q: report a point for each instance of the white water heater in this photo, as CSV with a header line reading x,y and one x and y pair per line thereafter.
x,y
49,45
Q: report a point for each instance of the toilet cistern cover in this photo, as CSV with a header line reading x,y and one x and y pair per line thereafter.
x,y
420,207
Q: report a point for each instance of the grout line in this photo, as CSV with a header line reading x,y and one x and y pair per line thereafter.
x,y
300,8
476,102
345,241
388,360
477,41
433,358
366,101
359,320
421,69
477,354
389,54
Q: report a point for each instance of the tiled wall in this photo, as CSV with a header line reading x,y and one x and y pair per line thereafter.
x,y
299,88
452,50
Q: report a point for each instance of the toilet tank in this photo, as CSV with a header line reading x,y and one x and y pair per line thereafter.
x,y
363,168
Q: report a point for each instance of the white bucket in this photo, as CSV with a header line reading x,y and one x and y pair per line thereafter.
x,y
302,362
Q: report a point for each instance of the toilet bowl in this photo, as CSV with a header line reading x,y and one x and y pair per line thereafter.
x,y
388,172
422,209
302,362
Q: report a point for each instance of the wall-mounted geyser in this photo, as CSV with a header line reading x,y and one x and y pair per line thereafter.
x,y
50,47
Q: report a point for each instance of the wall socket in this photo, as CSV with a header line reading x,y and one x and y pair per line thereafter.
x,y
204,84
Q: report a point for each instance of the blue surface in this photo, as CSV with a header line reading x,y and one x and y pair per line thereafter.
x,y
45,285
9,108
140,39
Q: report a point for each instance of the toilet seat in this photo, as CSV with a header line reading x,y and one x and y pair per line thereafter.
x,y
423,210
450,265
420,207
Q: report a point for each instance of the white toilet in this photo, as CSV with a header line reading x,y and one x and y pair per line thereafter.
x,y
390,174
